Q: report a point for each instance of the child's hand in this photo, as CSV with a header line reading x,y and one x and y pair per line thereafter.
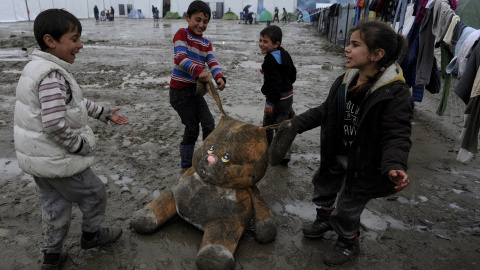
x,y
221,84
117,118
268,110
203,76
400,178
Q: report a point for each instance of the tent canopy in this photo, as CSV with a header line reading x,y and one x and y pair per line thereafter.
x,y
230,16
135,14
172,15
306,16
468,11
292,17
265,16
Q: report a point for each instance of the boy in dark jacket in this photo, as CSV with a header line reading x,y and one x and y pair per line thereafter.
x,y
279,74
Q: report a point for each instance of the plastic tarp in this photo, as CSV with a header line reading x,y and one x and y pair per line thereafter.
x,y
469,12
135,14
265,16
230,16
172,15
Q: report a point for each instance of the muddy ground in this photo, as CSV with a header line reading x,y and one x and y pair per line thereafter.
x,y
432,224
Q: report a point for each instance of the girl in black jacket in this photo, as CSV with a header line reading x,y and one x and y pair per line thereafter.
x,y
365,136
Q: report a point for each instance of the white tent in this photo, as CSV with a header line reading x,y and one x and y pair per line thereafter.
x,y
16,10
135,14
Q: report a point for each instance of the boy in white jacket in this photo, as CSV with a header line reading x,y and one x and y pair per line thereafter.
x,y
53,142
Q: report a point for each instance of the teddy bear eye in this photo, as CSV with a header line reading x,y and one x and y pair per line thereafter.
x,y
212,148
226,157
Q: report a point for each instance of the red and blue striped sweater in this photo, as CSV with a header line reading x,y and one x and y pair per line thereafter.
x,y
191,52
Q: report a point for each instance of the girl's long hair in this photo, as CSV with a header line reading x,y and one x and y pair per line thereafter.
x,y
378,35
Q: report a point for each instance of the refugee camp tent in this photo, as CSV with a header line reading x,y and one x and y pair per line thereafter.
x,y
172,15
292,17
230,16
135,14
469,12
306,16
265,16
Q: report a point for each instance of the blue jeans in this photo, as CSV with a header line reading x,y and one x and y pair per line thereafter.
x,y
193,110
403,5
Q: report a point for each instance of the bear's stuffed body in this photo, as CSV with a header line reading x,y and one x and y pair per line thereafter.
x,y
218,194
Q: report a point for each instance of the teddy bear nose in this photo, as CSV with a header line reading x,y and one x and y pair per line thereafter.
x,y
211,159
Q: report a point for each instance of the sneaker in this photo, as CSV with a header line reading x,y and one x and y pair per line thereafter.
x,y
104,237
320,226
62,257
342,252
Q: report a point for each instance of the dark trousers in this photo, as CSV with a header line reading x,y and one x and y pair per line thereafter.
x,y
282,111
193,110
345,219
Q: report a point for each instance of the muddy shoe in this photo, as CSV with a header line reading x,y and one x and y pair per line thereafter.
x,y
343,251
53,261
320,226
104,237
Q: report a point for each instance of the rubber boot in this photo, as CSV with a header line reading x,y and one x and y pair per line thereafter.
x,y
186,154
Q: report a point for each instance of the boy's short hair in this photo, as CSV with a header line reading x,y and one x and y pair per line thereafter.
x,y
273,32
55,22
199,6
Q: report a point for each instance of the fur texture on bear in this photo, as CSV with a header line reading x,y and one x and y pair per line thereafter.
x,y
218,194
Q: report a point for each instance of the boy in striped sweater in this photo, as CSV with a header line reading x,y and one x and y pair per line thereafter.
x,y
53,142
191,52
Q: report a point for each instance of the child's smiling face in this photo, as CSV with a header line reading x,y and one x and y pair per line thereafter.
x,y
266,45
197,22
67,47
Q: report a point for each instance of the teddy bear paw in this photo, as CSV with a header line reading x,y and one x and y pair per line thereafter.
x,y
265,230
144,221
215,257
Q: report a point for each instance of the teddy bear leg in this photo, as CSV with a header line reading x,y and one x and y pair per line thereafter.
x,y
264,225
218,245
154,214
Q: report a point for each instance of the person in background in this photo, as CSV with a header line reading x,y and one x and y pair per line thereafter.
x,y
279,74
276,15
365,137
112,13
245,14
95,13
53,141
191,52
284,16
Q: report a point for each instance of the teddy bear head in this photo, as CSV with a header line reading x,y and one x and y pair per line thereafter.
x,y
234,155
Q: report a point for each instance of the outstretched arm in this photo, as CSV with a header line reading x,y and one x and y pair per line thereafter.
x,y
117,118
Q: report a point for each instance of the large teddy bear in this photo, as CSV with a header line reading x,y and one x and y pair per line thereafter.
x,y
218,194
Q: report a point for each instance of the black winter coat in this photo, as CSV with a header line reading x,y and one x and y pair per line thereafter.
x,y
382,141
278,77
